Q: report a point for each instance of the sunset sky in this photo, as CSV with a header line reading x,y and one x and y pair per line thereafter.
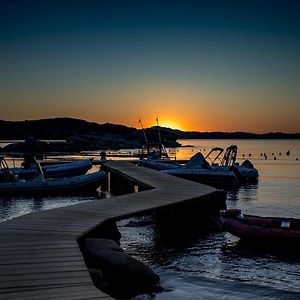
x,y
197,65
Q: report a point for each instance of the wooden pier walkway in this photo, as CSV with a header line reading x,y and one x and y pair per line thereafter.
x,y
39,255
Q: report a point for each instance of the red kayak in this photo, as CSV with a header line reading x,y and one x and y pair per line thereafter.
x,y
262,229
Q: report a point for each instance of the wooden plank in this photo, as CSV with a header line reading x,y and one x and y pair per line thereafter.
x,y
36,281
10,249
73,292
42,268
29,259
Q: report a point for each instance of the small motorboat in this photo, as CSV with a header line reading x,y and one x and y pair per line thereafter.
x,y
244,171
155,156
260,229
215,177
53,170
199,170
215,169
13,185
57,170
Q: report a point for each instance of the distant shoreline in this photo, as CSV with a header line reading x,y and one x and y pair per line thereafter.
x,y
81,135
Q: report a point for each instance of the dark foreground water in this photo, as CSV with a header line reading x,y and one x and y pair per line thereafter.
x,y
208,263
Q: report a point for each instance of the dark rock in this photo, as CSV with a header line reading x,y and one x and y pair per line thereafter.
x,y
109,231
94,246
143,297
96,275
122,274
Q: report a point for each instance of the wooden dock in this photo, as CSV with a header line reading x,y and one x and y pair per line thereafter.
x,y
39,255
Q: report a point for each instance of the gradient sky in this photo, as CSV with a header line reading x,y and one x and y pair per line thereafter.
x,y
197,65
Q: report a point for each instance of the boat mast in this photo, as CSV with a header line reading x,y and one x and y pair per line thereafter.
x,y
144,132
159,137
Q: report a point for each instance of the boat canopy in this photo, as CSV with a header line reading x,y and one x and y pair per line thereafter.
x,y
228,159
197,160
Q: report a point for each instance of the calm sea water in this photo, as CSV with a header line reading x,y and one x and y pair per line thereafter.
x,y
210,263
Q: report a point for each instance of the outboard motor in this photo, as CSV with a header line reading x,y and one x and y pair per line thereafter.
x,y
247,163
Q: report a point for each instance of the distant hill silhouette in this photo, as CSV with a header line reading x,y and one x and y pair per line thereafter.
x,y
225,135
84,135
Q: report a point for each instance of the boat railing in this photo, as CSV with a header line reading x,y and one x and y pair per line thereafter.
x,y
40,173
6,173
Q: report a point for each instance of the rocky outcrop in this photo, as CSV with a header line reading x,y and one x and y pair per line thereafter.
x,y
115,272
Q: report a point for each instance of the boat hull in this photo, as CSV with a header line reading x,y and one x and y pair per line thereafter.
x,y
70,185
261,229
57,170
219,179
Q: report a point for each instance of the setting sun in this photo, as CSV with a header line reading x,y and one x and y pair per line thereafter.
x,y
169,124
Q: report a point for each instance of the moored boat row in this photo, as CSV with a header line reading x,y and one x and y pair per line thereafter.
x,y
219,168
64,178
213,169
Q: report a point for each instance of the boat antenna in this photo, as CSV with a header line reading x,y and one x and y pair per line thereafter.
x,y
158,128
144,132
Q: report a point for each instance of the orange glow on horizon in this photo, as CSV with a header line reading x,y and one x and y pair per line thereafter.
x,y
170,124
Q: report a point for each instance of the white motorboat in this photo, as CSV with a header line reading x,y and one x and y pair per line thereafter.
x,y
11,184
56,170
204,173
244,171
216,170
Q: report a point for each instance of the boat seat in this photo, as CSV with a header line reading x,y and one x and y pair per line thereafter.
x,y
287,223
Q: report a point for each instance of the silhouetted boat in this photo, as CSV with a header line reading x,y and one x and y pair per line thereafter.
x,y
199,170
260,229
216,170
154,155
11,184
244,171
55,170
211,176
